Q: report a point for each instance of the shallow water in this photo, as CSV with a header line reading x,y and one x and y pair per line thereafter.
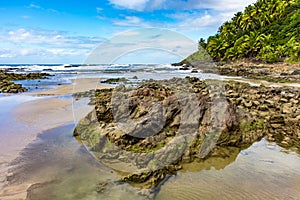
x,y
12,132
263,171
61,168
58,167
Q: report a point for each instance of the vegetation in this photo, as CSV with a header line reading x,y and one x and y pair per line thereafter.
x,y
268,30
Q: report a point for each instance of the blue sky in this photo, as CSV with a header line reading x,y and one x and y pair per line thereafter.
x,y
67,31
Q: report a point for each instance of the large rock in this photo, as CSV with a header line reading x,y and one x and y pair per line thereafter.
x,y
149,130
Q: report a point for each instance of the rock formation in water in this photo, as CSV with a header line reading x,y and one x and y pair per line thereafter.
x,y
8,86
148,132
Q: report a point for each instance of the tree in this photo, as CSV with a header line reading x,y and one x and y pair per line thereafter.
x,y
268,30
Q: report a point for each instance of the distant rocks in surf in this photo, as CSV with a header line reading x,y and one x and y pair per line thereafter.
x,y
70,65
7,79
114,80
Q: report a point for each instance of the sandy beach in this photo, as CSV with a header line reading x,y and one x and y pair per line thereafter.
x,y
29,114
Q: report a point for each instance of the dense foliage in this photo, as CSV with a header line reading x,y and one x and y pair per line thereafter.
x,y
268,30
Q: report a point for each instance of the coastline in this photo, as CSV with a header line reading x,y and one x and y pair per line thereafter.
x,y
31,114
47,110
275,72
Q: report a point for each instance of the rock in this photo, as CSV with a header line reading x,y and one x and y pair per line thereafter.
x,y
286,109
291,95
263,108
7,85
184,68
284,100
163,124
294,101
276,126
277,119
269,103
256,103
248,104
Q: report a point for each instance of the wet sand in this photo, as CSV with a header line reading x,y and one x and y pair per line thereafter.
x,y
26,115
62,168
79,85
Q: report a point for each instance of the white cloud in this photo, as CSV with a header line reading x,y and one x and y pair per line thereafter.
x,y
188,15
202,22
32,5
64,52
28,51
28,45
146,5
130,4
207,21
192,17
35,6
43,55
131,21
6,56
48,38
34,37
150,39
130,33
225,5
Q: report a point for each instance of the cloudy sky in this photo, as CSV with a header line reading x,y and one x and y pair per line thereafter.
x,y
67,31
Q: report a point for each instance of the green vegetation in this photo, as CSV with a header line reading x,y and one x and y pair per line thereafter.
x,y
268,30
140,149
247,126
200,55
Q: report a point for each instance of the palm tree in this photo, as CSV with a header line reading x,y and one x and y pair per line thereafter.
x,y
263,30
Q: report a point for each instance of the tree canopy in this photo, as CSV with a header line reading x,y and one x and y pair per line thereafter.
x,y
268,30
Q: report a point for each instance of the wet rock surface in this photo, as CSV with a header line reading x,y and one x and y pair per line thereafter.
x,y
8,86
278,72
147,133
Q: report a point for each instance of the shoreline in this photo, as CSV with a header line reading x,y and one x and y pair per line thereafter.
x,y
34,114
54,108
275,72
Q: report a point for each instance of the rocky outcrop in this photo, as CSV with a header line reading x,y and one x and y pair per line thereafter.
x,y
148,132
8,86
278,72
277,110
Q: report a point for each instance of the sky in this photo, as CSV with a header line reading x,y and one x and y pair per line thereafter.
x,y
69,31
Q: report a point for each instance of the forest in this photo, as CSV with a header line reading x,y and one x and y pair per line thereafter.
x,y
267,31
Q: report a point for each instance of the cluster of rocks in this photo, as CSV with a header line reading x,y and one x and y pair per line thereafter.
x,y
276,110
279,72
206,66
8,86
148,132
115,80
